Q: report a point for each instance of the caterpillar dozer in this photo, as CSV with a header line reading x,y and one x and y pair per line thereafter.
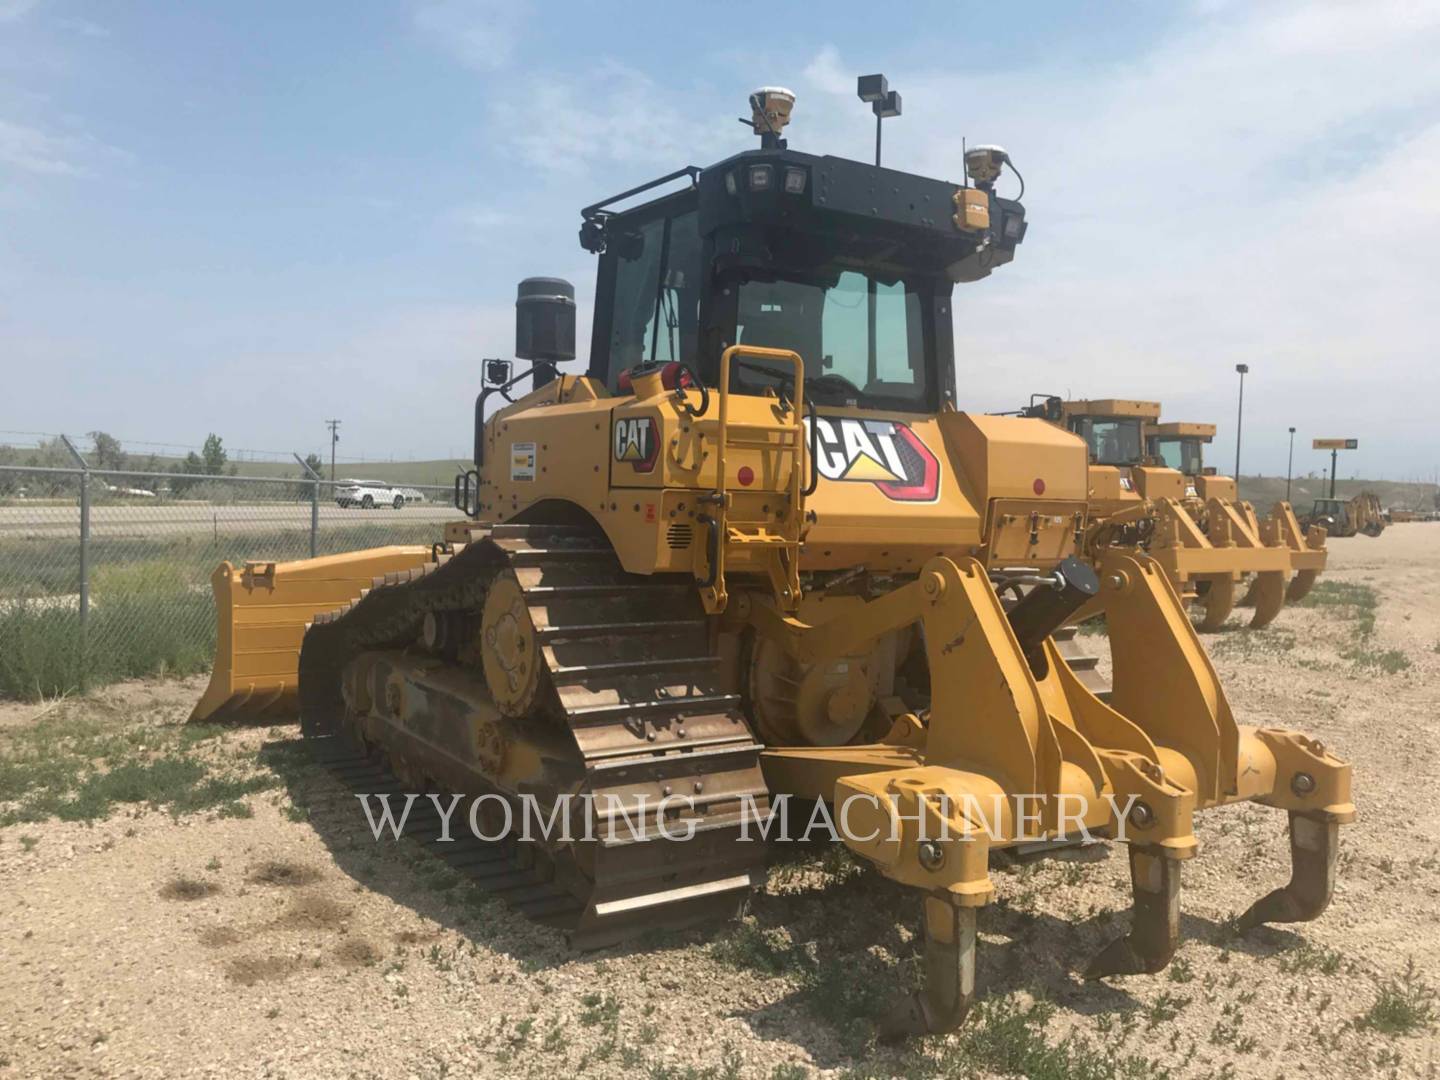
x,y
1181,446
754,553
1193,525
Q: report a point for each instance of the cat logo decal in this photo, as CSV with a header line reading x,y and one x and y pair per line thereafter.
x,y
881,452
636,443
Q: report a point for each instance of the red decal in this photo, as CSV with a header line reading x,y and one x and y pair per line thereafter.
x,y
1038,486
925,487
746,475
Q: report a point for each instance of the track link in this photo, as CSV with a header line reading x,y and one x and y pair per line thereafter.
x,y
629,669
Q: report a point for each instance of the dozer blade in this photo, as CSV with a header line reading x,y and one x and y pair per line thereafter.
x,y
261,613
1219,601
1301,584
1267,594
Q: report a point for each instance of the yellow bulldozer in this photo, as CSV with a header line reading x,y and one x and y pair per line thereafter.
x,y
1188,519
1181,446
754,554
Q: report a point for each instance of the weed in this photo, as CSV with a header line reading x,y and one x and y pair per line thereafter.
x,y
1307,957
599,1009
29,842
183,888
1164,1009
1181,971
1403,1005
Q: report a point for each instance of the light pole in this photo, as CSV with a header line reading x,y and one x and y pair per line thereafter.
x,y
1289,465
884,102
1244,370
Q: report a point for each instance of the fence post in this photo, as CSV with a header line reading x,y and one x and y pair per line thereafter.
x,y
84,561
314,505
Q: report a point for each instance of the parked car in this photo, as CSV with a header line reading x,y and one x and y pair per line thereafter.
x,y
368,494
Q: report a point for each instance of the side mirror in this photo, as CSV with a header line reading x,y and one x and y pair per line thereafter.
x,y
497,372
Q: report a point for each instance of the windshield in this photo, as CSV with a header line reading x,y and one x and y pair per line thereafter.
x,y
862,339
1186,455
1111,441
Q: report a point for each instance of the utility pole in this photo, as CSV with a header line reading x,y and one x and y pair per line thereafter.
x,y
1243,369
1289,465
334,426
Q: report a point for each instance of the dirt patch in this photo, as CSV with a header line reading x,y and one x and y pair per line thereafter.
x,y
183,888
286,874
357,952
220,937
249,970
309,912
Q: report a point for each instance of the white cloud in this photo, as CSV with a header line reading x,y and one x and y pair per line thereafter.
x,y
83,27
36,151
1257,188
12,10
613,114
484,218
482,34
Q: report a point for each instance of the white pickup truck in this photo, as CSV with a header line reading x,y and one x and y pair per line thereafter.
x,y
368,494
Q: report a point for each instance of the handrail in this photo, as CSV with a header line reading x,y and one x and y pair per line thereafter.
x,y
721,497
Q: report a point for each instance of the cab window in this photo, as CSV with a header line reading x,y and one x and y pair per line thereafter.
x,y
655,304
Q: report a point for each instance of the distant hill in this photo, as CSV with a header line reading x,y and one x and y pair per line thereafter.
x,y
1263,491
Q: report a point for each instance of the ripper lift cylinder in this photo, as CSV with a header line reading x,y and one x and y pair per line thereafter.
x,y
1045,608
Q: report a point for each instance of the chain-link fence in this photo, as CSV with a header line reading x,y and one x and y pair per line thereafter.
x,y
105,575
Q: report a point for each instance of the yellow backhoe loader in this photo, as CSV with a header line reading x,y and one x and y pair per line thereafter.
x,y
1181,446
754,553
1347,517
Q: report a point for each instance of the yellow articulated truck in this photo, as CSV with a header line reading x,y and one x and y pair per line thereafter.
x,y
754,553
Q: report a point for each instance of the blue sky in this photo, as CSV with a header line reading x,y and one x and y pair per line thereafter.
x,y
250,217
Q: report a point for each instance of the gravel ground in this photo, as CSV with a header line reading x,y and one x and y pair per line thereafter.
x,y
286,943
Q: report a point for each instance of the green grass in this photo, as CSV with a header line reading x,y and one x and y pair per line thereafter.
x,y
1006,1037
1359,603
1403,1005
128,636
1362,601
150,603
47,567
79,767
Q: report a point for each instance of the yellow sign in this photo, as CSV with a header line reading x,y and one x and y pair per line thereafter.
x,y
1336,444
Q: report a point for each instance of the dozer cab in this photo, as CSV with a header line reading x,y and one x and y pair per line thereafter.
x,y
1192,525
754,553
1347,517
1181,446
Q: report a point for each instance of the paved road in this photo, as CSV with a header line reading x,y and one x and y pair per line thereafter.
x,y
20,521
